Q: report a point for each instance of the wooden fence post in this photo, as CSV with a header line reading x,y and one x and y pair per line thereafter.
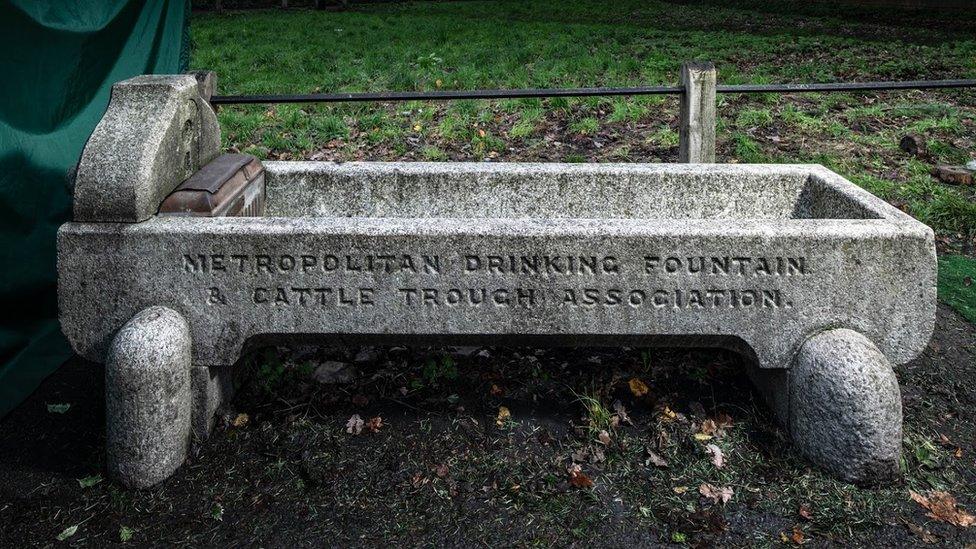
x,y
696,143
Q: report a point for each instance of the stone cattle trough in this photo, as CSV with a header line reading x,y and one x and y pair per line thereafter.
x,y
822,284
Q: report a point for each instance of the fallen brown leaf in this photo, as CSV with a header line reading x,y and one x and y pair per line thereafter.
x,y
579,479
942,507
503,416
805,512
638,387
355,425
716,494
654,459
718,458
604,438
241,420
667,414
375,424
618,407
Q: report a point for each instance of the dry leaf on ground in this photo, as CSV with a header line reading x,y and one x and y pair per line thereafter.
x,y
654,459
716,494
355,425
805,512
638,387
942,507
375,424
579,479
718,458
503,416
618,407
604,438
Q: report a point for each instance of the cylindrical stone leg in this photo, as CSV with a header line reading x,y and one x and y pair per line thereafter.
x,y
147,392
845,407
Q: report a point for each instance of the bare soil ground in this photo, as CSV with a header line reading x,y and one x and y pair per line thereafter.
x,y
446,468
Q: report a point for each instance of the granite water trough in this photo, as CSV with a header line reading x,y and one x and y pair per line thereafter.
x,y
821,284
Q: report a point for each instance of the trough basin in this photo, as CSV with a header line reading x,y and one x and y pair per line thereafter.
x,y
756,258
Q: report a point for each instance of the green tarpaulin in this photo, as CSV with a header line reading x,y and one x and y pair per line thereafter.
x,y
58,60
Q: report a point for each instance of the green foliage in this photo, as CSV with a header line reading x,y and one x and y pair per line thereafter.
x,y
665,137
483,143
754,118
89,481
433,154
598,415
747,150
525,127
435,372
58,408
585,126
956,284
627,111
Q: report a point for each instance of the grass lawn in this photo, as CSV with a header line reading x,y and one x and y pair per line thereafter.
x,y
956,287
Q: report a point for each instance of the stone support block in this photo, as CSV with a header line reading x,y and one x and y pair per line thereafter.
x,y
147,390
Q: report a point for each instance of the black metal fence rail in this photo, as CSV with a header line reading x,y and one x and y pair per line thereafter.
x,y
450,95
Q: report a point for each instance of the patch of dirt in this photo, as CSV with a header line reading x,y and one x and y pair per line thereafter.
x,y
445,468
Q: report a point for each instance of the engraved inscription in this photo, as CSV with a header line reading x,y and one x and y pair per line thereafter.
x,y
577,282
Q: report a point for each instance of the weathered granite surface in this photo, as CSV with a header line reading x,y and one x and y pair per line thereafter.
x,y
211,387
739,256
157,132
845,407
147,392
841,405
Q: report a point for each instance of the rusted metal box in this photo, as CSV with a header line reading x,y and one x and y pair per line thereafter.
x,y
232,185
